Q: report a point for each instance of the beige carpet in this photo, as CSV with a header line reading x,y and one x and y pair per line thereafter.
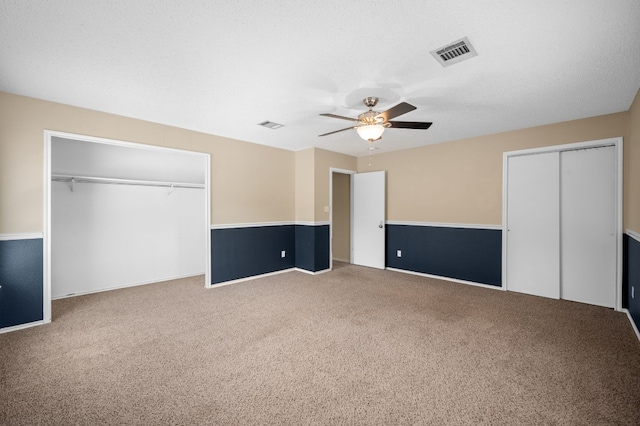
x,y
354,346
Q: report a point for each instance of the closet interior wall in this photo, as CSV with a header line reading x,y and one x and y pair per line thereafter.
x,y
141,217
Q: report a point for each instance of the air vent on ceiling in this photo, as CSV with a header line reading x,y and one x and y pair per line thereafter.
x,y
454,52
270,124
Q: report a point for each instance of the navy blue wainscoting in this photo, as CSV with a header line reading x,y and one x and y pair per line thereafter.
x,y
631,278
244,252
21,282
467,254
312,247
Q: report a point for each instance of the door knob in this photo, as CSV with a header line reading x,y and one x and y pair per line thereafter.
x,y
380,226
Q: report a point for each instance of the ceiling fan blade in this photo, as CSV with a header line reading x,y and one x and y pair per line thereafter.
x,y
393,112
337,131
410,125
339,116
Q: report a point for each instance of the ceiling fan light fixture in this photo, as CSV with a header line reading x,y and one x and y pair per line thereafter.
x,y
370,132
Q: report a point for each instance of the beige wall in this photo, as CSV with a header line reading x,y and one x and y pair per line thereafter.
x,y
341,221
324,161
632,168
304,185
454,182
461,181
312,181
249,182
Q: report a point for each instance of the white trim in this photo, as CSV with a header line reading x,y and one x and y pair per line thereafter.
x,y
617,143
343,171
565,147
22,326
333,170
633,324
253,277
439,277
311,272
260,224
250,225
46,261
100,290
444,225
633,235
25,236
126,144
207,221
619,147
505,173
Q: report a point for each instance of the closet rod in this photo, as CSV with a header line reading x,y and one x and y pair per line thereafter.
x,y
113,181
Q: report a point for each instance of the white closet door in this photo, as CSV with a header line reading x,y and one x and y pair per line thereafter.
x,y
588,221
533,226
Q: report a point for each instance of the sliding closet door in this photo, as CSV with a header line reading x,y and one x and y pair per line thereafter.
x,y
588,225
533,243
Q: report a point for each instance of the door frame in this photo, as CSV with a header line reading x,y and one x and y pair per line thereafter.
x,y
333,170
617,143
48,135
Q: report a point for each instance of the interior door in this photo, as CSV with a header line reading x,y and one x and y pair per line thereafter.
x,y
588,222
369,219
533,225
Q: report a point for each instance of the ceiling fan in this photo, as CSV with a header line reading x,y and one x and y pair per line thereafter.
x,y
371,124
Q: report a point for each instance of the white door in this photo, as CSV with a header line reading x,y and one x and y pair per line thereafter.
x,y
369,219
588,225
533,227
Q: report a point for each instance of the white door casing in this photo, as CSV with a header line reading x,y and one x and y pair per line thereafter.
x,y
368,226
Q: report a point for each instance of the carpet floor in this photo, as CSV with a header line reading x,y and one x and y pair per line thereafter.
x,y
355,346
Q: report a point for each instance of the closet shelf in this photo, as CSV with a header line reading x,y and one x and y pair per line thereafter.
x,y
113,181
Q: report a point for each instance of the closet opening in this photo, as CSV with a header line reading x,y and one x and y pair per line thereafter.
x,y
121,214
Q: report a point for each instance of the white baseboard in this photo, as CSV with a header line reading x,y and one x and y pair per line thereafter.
x,y
311,272
22,326
455,280
100,290
253,277
633,324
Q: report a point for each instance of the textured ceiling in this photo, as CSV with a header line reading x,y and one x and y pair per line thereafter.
x,y
222,67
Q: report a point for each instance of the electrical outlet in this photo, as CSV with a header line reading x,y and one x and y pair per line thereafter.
x,y
326,209
399,253
283,253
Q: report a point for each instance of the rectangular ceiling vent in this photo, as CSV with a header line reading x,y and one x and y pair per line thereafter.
x,y
454,52
270,124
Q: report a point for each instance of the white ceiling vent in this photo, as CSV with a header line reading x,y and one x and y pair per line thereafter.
x,y
270,124
454,52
